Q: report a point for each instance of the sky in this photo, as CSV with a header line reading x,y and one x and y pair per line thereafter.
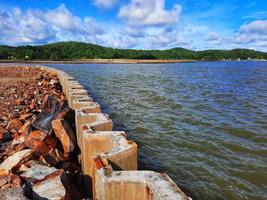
x,y
137,24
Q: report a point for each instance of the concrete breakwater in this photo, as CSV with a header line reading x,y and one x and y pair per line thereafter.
x,y
108,159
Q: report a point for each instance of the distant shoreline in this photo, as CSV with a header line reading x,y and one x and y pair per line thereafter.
x,y
100,61
118,61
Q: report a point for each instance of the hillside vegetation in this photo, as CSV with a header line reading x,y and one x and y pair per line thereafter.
x,y
79,50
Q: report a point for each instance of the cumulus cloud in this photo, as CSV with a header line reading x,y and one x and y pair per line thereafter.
x,y
61,17
258,26
38,26
149,13
253,34
17,27
105,4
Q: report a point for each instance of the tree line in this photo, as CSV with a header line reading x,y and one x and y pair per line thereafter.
x,y
80,50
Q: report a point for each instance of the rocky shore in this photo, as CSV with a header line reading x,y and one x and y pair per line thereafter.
x,y
38,151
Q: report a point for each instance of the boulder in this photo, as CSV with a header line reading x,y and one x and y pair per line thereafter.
x,y
14,124
51,187
8,179
40,141
37,173
65,134
16,159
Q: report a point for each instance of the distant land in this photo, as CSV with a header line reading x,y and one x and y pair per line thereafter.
x,y
85,52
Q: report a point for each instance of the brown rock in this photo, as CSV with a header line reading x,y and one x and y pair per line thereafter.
x,y
64,133
25,129
45,101
16,159
32,105
25,116
4,177
40,141
14,124
53,157
14,115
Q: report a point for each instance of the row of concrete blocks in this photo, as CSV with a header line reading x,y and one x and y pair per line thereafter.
x,y
108,159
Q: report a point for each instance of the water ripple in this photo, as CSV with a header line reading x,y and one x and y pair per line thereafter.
x,y
204,123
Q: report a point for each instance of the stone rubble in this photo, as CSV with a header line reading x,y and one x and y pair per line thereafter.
x,y
38,150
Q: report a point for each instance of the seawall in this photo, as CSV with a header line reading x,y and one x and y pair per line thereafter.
x,y
107,157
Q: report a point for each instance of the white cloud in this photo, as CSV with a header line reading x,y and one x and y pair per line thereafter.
x,y
149,13
212,36
133,32
38,26
258,26
252,35
105,4
148,24
61,17
17,27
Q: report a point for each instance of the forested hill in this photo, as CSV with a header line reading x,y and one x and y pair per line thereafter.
x,y
79,50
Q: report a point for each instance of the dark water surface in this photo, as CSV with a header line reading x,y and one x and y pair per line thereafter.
x,y
203,123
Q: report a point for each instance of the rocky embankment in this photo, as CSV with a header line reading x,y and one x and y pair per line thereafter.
x,y
38,151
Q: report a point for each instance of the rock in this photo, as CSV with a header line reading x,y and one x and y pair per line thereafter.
x,y
37,173
25,116
25,129
14,115
14,124
32,105
53,82
53,157
65,134
16,159
4,134
51,187
4,177
15,193
40,141
8,179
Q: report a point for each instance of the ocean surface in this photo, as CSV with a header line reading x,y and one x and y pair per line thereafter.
x,y
204,123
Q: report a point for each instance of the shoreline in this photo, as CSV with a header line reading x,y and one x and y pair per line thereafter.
x,y
120,61
78,150
100,61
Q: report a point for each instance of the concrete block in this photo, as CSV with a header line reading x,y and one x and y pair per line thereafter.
x,y
64,82
132,185
94,121
75,92
75,97
113,145
82,103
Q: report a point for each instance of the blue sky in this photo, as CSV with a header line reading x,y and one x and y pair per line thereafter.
x,y
138,24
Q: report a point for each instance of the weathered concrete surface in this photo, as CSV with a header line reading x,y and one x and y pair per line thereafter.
x,y
113,145
94,121
132,185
